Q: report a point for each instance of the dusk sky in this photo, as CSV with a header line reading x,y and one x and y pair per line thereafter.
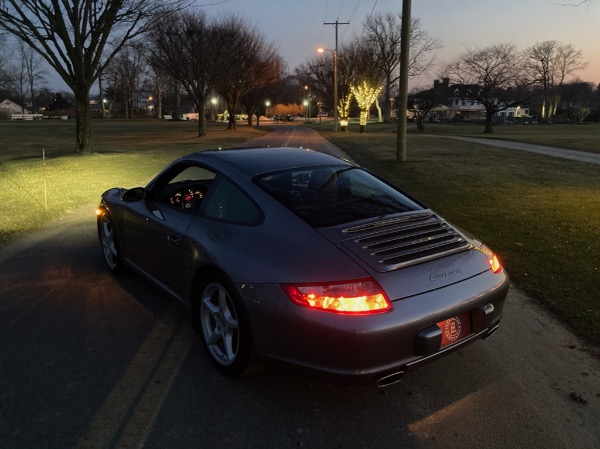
x,y
298,29
297,26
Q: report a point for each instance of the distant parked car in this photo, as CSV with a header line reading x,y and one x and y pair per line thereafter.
x,y
293,256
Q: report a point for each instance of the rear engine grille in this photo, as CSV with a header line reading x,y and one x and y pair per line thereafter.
x,y
406,240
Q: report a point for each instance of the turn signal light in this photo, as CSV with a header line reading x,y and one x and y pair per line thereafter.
x,y
351,297
495,264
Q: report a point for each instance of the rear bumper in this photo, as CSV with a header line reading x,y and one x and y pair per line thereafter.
x,y
375,348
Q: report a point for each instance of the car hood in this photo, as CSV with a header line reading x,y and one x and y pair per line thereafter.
x,y
410,253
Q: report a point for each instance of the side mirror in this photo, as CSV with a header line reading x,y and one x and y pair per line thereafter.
x,y
133,195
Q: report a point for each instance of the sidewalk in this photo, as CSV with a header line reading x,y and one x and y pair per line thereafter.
x,y
580,156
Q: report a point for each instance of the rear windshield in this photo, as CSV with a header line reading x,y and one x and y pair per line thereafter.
x,y
328,196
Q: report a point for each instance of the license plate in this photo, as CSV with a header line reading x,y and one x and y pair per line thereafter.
x,y
455,329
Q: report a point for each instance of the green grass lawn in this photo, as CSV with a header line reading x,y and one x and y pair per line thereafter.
x,y
540,214
34,190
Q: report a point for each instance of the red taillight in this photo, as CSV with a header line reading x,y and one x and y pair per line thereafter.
x,y
494,264
353,297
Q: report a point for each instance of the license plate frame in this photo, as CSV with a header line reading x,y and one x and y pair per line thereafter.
x,y
455,329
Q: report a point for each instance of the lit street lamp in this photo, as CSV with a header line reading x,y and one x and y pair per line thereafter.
x,y
213,101
335,86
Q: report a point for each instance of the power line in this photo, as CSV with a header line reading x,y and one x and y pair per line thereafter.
x,y
368,18
355,9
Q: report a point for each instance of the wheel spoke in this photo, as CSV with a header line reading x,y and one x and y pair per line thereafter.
x,y
231,323
212,308
229,346
223,306
214,338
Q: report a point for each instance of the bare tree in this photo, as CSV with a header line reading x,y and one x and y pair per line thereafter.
x,y
489,75
78,38
383,32
549,64
30,73
7,76
191,50
130,73
254,101
160,85
317,73
252,63
420,103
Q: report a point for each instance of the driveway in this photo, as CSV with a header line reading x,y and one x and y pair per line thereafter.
x,y
91,360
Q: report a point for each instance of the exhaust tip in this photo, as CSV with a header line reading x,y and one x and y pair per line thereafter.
x,y
390,379
490,332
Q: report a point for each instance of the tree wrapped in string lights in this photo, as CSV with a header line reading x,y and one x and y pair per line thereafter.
x,y
365,96
344,110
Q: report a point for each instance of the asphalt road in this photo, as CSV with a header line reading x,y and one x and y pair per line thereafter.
x,y
88,360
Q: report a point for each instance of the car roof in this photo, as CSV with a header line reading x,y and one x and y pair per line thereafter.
x,y
254,161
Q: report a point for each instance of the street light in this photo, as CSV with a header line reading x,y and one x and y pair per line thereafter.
x,y
213,108
306,102
335,85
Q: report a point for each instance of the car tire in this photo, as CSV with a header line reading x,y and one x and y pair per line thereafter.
x,y
223,326
109,242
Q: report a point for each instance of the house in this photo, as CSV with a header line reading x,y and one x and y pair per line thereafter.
x,y
8,107
11,110
513,114
455,103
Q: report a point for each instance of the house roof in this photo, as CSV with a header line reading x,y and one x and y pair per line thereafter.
x,y
13,108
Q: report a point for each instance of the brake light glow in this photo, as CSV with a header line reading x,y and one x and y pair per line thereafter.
x,y
495,264
362,296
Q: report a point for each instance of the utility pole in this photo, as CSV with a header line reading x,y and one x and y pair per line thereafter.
x,y
337,24
403,94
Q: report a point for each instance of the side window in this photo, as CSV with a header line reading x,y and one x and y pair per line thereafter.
x,y
229,203
184,186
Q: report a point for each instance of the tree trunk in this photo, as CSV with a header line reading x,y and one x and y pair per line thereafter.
x,y
231,122
488,122
83,123
200,107
387,107
201,124
380,119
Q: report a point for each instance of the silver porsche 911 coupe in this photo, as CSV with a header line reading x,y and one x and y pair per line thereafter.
x,y
294,256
